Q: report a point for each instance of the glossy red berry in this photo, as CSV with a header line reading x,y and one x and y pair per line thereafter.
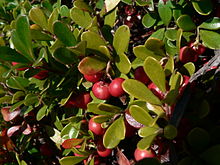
x,y
188,54
79,101
96,128
140,75
184,84
101,91
200,49
156,91
141,154
41,75
101,150
115,87
94,77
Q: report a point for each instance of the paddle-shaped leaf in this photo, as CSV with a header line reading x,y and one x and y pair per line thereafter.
x,y
140,91
65,56
123,63
91,65
148,131
71,160
211,24
210,38
115,133
64,34
146,142
155,72
165,12
38,17
141,115
17,83
186,23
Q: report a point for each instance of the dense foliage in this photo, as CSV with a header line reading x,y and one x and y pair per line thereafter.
x,y
109,82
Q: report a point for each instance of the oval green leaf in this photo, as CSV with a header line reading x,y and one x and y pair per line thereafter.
x,y
38,17
165,12
203,7
140,91
155,72
148,131
111,4
149,20
123,63
65,56
211,24
186,23
210,38
71,160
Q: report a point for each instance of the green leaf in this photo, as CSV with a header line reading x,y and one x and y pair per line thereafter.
x,y
54,135
40,36
16,96
17,83
141,115
21,38
210,38
170,132
178,39
155,45
149,19
169,67
114,134
105,51
71,130
211,24
165,12
159,34
38,17
64,11
82,5
140,91
8,54
186,23
64,34
211,155
53,17
171,34
94,41
188,69
65,56
146,142
71,160
123,63
110,18
30,99
203,7
80,17
41,113
93,107
111,4
108,108
121,39
155,72
148,131
91,65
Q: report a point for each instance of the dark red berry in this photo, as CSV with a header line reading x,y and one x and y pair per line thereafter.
x,y
96,128
20,69
94,77
115,87
101,150
140,75
188,54
101,91
156,91
41,75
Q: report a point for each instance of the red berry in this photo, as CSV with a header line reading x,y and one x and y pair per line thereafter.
x,y
130,10
79,101
101,150
20,69
141,154
46,150
130,131
100,90
140,75
200,49
188,54
115,87
41,75
96,127
94,77
156,91
184,84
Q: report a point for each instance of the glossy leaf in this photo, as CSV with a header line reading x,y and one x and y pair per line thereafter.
x,y
104,50
17,83
108,108
111,4
159,34
141,115
155,45
54,135
82,5
93,107
171,34
17,96
38,17
64,34
155,72
178,39
30,99
140,91
210,38
91,65
149,20
70,143
71,160
114,134
65,56
203,7
165,12
121,39
123,63
41,113
211,24
146,142
94,41
64,11
186,23
21,37
53,17
148,131
40,36
110,18
8,54
80,17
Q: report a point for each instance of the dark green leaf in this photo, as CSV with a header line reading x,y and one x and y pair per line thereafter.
x,y
41,113
17,83
121,39
155,72
210,38
155,45
140,91
203,7
64,34
40,36
108,108
93,107
159,34
114,134
170,131
64,11
65,56
186,23
53,17
211,155
30,99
